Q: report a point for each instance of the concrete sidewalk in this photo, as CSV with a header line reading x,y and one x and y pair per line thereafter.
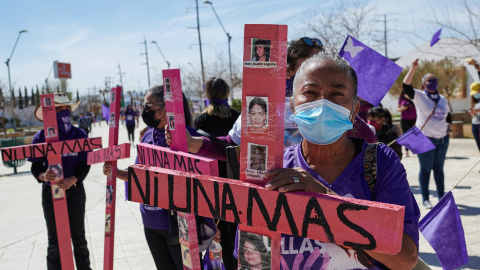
x,y
23,236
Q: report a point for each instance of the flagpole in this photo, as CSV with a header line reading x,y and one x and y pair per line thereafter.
x,y
465,175
392,142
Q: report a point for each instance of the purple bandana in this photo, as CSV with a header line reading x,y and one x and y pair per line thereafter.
x,y
433,96
223,101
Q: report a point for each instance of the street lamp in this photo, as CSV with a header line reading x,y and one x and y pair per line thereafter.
x,y
168,63
9,80
229,52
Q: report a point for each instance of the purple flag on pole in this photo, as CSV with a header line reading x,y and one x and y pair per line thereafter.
x,y
105,112
376,73
436,37
415,141
442,228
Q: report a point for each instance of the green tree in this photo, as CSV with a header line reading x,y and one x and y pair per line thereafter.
x,y
26,98
20,99
452,77
32,98
37,97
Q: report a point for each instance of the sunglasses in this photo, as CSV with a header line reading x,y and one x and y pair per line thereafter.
x,y
146,107
311,41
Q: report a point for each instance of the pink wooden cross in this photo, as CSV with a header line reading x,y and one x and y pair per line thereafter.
x,y
113,153
263,89
53,150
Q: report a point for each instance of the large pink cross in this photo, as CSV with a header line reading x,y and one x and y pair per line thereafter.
x,y
53,150
113,153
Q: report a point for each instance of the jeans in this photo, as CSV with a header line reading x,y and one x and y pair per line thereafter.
x,y
433,160
76,216
166,255
476,134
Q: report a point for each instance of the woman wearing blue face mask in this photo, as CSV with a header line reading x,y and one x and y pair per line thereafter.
x,y
328,161
75,170
434,120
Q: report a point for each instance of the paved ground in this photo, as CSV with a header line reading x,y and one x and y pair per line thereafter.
x,y
23,237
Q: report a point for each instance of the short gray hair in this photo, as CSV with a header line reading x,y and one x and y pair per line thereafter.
x,y
424,78
338,64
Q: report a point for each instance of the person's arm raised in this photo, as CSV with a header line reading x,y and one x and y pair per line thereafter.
x,y
408,78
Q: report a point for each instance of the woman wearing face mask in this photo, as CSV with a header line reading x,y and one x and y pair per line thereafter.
x,y
328,161
130,118
166,251
75,170
434,120
386,132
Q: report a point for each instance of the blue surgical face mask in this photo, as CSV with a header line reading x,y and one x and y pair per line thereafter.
x,y
477,96
322,122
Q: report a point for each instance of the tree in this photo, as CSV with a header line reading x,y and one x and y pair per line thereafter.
x,y
33,99
452,77
2,119
332,25
26,98
37,97
20,99
467,29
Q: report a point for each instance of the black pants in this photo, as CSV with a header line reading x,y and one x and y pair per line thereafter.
x,y
227,240
165,254
76,216
86,131
131,129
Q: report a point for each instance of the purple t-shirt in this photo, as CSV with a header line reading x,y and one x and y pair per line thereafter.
x,y
410,113
70,160
391,187
130,117
155,217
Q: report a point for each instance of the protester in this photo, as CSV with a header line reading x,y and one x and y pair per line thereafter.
x,y
408,115
434,120
84,123
163,245
332,162
475,106
130,117
216,120
386,132
75,170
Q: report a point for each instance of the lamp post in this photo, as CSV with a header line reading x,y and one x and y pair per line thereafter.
x,y
229,37
9,80
168,63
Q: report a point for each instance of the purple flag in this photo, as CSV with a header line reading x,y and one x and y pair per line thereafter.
x,y
376,73
105,112
442,228
414,140
436,37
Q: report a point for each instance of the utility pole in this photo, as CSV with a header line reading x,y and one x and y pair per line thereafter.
x,y
120,74
146,56
200,44
385,33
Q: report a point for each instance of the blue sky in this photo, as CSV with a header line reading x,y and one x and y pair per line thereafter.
x,y
96,36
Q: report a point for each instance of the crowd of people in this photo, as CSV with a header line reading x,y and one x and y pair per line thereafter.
x,y
319,157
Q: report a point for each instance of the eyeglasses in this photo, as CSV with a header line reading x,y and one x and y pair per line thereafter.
x,y
310,41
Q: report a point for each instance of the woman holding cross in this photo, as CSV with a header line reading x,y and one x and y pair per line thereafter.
x,y
328,161
75,170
